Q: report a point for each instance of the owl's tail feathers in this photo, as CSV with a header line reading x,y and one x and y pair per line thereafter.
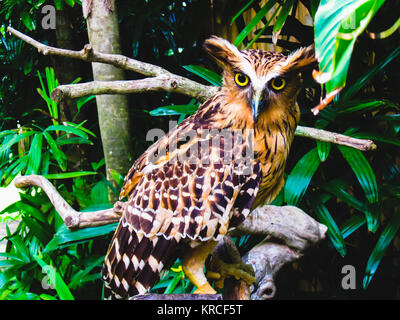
x,y
134,262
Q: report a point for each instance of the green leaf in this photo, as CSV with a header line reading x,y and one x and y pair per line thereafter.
x,y
186,109
31,210
381,246
363,171
75,131
35,154
65,237
68,175
300,177
334,233
37,230
173,283
242,10
83,276
80,127
338,23
15,169
364,79
55,278
323,150
352,224
16,138
21,249
117,177
283,14
57,153
58,4
212,77
337,188
363,106
82,101
251,25
27,20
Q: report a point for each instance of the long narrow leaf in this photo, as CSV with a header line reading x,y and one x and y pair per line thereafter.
x,y
35,154
300,177
68,129
334,233
251,25
212,77
68,175
57,153
366,177
363,171
283,14
55,278
380,248
15,139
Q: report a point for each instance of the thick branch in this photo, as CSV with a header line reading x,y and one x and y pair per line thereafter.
x,y
162,80
166,82
290,231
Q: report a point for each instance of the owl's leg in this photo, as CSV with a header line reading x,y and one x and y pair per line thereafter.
x,y
193,266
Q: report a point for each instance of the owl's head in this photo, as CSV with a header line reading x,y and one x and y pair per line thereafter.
x,y
264,82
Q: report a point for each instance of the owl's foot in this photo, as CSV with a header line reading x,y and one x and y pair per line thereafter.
x,y
205,289
222,270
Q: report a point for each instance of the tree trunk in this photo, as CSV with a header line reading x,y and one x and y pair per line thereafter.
x,y
102,24
65,69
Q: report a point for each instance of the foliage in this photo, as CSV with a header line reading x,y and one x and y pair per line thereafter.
x,y
355,194
326,177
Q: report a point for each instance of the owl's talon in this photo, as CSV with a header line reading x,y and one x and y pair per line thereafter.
x,y
222,270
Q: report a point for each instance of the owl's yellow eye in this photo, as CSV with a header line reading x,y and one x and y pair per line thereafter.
x,y
278,84
241,79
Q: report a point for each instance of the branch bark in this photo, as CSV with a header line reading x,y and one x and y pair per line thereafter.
x,y
160,80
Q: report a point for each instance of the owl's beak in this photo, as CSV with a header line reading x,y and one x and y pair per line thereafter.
x,y
258,102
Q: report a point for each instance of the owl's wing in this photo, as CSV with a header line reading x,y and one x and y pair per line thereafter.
x,y
189,194
157,152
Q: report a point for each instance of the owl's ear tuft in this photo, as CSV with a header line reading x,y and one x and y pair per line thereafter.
x,y
301,59
222,50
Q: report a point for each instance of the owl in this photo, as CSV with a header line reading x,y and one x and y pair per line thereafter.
x,y
204,177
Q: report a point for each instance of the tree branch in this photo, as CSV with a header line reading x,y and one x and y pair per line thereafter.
x,y
160,80
177,83
337,138
165,82
72,218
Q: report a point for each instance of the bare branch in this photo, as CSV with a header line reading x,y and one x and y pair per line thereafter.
x,y
176,83
337,138
72,218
